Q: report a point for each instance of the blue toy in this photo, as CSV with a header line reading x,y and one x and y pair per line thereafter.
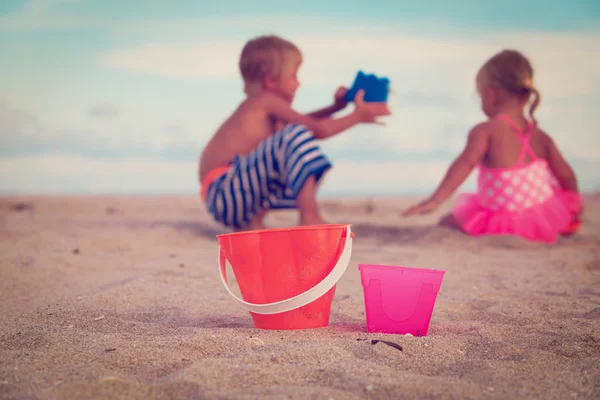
x,y
376,89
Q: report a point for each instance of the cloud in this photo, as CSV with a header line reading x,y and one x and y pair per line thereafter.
x,y
178,62
21,134
38,15
429,99
15,122
90,143
372,143
38,7
242,23
104,111
172,128
411,62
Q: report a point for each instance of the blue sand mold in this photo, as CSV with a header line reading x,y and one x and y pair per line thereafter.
x,y
376,89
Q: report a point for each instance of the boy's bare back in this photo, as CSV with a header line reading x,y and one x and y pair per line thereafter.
x,y
238,135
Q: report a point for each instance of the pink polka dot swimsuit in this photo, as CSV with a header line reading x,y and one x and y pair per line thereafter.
x,y
524,200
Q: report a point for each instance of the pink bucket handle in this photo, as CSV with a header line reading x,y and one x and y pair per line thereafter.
x,y
300,300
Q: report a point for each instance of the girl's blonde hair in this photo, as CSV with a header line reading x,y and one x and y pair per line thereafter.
x,y
511,71
266,55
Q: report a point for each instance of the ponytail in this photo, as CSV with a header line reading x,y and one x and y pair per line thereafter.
x,y
530,89
534,104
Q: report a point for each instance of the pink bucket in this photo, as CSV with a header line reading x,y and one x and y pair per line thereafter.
x,y
399,299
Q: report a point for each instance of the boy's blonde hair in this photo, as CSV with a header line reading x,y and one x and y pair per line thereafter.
x,y
266,55
513,72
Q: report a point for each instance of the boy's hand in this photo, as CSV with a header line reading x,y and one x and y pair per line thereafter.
x,y
339,97
369,111
424,207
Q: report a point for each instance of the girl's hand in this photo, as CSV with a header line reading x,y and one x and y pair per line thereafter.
x,y
339,97
369,111
424,207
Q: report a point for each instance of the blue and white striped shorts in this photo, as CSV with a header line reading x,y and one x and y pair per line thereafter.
x,y
269,177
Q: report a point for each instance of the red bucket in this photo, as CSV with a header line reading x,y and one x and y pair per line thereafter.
x,y
287,276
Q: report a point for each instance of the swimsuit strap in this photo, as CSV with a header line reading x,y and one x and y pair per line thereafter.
x,y
523,136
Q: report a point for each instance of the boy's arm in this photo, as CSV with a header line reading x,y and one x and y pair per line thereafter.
x,y
560,167
458,171
326,111
339,103
323,128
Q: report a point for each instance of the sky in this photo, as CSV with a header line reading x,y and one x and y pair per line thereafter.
x,y
119,97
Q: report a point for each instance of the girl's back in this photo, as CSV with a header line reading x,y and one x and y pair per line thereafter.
x,y
506,143
517,143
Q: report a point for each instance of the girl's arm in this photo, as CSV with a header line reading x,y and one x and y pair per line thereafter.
x,y
560,167
458,172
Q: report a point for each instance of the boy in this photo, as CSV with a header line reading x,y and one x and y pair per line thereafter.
x,y
265,155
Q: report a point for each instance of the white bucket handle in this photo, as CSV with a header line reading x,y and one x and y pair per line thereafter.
x,y
300,300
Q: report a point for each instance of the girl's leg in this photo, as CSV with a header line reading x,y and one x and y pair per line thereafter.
x,y
449,221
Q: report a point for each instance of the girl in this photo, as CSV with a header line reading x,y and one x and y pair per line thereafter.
x,y
525,186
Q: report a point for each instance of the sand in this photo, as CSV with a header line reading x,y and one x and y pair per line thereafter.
x,y
119,298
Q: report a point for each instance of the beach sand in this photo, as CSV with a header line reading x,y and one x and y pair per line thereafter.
x,y
119,298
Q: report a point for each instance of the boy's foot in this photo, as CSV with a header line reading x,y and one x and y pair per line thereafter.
x,y
255,224
248,228
251,227
311,220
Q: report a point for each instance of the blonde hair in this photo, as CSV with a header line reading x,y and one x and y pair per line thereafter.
x,y
513,72
266,55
